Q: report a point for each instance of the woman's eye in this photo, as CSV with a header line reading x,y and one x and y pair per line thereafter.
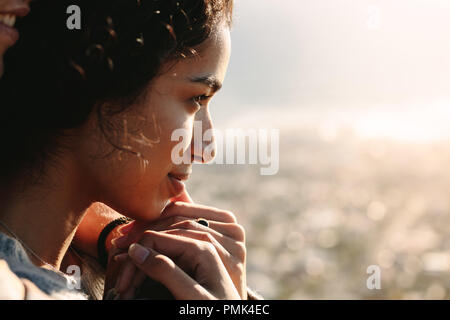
x,y
198,100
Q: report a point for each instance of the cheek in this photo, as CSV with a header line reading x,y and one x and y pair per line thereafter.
x,y
139,186
173,121
150,196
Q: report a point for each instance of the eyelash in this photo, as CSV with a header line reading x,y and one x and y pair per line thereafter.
x,y
197,100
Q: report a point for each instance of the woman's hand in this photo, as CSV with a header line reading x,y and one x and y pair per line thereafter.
x,y
189,268
179,219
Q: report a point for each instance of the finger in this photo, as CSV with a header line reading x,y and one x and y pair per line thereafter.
x,y
170,245
230,230
114,268
233,257
126,276
198,211
224,254
121,258
230,244
191,255
163,224
136,282
183,197
114,251
134,235
161,268
197,258
125,228
133,229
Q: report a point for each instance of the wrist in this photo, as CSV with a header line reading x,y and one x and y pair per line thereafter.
x,y
109,232
115,233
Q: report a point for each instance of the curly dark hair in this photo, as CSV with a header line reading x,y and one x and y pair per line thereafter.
x,y
55,77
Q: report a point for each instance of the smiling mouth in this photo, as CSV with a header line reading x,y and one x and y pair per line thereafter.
x,y
8,19
9,16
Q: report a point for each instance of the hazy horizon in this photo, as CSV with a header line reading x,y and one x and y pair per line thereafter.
x,y
340,59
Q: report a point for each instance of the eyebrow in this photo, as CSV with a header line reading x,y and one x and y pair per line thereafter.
x,y
210,81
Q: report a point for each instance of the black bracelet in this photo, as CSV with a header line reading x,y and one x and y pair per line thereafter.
x,y
101,242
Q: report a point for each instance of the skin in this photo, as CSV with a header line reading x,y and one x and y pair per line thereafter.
x,y
178,222
122,183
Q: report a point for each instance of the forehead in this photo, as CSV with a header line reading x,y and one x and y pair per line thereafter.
x,y
212,57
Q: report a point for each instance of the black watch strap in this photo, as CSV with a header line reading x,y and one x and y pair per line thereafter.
x,y
101,242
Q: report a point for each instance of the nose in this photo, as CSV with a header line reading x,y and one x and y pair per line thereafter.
x,y
203,146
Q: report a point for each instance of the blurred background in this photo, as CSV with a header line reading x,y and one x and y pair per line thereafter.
x,y
360,91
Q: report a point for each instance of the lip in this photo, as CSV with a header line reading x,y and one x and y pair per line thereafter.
x,y
177,185
20,11
10,34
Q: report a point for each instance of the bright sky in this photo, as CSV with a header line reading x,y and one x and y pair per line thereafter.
x,y
374,59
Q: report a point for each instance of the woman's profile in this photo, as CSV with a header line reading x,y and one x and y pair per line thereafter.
x,y
88,117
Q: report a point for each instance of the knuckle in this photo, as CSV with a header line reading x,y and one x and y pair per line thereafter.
x,y
190,224
161,263
226,215
195,247
239,231
207,248
180,204
241,251
205,236
238,268
146,235
230,215
147,238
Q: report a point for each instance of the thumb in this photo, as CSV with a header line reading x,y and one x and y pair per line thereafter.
x,y
162,269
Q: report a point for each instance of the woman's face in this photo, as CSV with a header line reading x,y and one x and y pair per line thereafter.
x,y
9,11
123,181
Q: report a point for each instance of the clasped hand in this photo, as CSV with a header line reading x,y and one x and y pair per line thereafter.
x,y
191,260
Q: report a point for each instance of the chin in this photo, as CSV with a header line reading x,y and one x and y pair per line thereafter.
x,y
152,211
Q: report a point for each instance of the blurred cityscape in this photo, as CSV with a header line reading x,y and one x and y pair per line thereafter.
x,y
339,204
360,91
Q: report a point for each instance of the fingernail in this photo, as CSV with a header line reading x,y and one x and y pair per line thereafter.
x,y
138,253
124,229
120,241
